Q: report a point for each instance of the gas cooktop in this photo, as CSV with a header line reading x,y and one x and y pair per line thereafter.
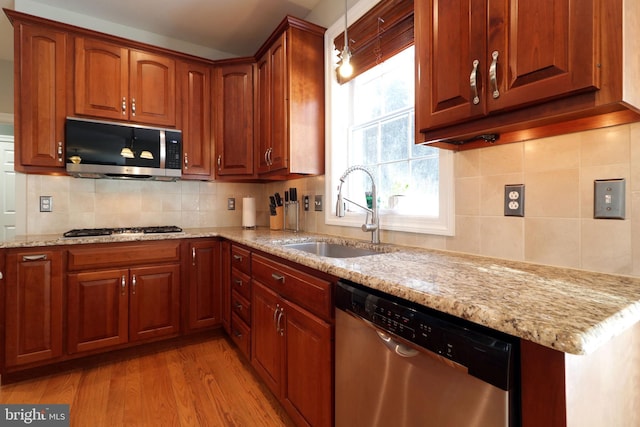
x,y
90,232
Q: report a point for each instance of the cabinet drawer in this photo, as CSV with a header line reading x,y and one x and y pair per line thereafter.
x,y
241,259
241,283
241,335
115,254
308,291
241,307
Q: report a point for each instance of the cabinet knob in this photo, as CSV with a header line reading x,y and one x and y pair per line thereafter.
x,y
473,80
493,74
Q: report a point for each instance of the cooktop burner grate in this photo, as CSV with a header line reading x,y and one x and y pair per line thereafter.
x,y
91,232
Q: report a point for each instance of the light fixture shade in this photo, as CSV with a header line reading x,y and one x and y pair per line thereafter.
x,y
146,155
127,153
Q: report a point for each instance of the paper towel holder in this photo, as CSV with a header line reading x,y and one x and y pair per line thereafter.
x,y
248,213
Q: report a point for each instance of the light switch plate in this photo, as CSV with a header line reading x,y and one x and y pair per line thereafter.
x,y
317,203
514,200
608,198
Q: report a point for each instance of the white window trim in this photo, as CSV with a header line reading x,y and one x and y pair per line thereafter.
x,y
336,129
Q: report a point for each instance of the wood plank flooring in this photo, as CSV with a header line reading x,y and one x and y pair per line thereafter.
x,y
200,381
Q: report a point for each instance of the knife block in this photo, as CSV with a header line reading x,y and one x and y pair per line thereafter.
x,y
277,222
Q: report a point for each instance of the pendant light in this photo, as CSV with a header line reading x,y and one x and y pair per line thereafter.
x,y
345,69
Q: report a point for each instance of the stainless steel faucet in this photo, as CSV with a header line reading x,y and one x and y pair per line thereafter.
x,y
374,225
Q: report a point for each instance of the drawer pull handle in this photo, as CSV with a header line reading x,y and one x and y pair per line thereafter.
x,y
277,277
133,284
193,256
237,258
237,334
123,285
493,74
473,79
40,257
238,282
238,306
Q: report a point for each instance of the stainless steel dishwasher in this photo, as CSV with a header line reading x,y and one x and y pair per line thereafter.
x,y
399,364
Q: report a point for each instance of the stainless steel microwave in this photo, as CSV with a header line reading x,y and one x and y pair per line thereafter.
x,y
99,149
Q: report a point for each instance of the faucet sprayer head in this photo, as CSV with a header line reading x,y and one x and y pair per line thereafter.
x,y
340,202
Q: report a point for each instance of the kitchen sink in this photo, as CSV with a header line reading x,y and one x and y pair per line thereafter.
x,y
332,250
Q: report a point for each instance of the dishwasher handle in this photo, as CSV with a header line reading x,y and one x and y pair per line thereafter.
x,y
397,347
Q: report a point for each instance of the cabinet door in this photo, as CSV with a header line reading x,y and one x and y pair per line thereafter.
x,y
154,307
546,49
205,286
263,113
279,155
97,309
101,79
33,307
233,99
152,88
449,37
40,93
266,346
308,347
195,95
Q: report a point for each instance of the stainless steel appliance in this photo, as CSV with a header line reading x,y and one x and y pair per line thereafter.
x,y
97,149
399,364
92,232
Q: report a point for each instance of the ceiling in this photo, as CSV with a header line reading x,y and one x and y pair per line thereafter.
x,y
237,27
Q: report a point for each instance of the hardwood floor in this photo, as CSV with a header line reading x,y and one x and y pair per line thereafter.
x,y
200,381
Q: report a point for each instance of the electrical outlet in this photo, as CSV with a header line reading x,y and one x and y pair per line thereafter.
x,y
608,198
305,202
46,203
231,204
514,200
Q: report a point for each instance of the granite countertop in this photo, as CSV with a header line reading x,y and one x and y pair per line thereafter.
x,y
569,310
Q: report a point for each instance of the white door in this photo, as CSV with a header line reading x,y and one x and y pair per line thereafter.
x,y
7,189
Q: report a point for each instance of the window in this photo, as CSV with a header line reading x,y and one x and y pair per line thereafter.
x,y
372,124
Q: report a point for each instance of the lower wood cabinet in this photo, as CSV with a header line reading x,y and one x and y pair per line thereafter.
x,y
33,306
111,307
204,300
291,347
122,293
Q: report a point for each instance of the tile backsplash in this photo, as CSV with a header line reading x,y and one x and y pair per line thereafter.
x,y
558,227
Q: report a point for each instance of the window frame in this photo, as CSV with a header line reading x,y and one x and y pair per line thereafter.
x,y
337,129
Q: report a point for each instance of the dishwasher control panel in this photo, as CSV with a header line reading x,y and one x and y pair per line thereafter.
x,y
486,354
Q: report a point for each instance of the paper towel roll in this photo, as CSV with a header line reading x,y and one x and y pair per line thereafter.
x,y
248,212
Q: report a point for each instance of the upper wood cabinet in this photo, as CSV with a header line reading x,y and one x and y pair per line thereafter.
x,y
114,82
289,119
194,86
40,96
33,306
540,66
477,57
233,118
